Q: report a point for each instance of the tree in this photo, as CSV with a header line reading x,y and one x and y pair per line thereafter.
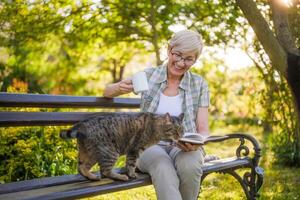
x,y
33,35
133,20
280,43
115,58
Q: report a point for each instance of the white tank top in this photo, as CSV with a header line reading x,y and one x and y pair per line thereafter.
x,y
170,104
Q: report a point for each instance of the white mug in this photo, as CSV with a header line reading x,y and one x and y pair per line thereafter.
x,y
140,83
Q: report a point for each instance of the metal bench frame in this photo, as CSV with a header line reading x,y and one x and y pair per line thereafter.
x,y
76,186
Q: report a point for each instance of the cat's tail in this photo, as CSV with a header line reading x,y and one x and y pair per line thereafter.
x,y
71,133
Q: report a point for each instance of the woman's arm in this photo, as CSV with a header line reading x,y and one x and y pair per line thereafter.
x,y
202,128
115,89
202,121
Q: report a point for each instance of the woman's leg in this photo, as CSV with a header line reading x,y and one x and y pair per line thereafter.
x,y
160,166
188,166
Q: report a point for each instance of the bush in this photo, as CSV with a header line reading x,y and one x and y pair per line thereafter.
x,y
285,149
32,152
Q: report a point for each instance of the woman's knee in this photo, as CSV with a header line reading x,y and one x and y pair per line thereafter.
x,y
152,158
189,165
163,173
163,167
189,170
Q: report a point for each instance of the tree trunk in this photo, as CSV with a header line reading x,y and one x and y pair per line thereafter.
x,y
155,36
114,71
121,72
265,35
282,51
281,24
293,78
286,40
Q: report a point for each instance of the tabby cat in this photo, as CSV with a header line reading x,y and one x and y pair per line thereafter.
x,y
102,139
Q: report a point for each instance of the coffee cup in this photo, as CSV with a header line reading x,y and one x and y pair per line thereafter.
x,y
140,82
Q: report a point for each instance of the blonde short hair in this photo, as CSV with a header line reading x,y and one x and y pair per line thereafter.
x,y
186,41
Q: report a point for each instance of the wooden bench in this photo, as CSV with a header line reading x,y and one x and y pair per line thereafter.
x,y
76,186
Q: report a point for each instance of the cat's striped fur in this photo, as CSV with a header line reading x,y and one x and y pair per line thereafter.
x,y
102,139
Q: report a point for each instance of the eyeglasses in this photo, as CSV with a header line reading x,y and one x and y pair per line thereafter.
x,y
187,61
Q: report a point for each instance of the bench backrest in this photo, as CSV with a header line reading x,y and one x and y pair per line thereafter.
x,y
23,118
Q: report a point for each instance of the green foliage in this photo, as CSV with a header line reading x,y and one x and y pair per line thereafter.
x,y
27,153
285,149
233,94
294,20
215,20
279,117
64,47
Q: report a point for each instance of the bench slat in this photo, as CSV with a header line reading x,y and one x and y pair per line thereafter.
x,y
227,163
45,118
71,186
78,189
142,180
40,183
65,101
45,182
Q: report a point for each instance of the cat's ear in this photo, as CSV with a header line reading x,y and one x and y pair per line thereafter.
x,y
181,116
149,114
168,118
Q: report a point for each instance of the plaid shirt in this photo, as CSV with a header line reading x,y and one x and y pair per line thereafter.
x,y
193,91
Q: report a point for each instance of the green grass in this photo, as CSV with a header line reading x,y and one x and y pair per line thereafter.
x,y
280,183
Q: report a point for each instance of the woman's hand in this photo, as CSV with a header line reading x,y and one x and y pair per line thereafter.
x,y
125,86
186,146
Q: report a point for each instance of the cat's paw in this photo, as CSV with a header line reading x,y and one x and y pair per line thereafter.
x,y
122,177
132,174
116,176
91,177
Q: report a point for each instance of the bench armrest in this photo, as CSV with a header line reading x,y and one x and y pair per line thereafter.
x,y
242,149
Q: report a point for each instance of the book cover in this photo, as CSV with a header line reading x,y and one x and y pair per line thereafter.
x,y
193,138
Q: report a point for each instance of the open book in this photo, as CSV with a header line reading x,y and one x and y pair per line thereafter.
x,y
193,138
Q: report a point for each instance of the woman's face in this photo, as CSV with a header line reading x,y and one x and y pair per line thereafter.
x,y
179,62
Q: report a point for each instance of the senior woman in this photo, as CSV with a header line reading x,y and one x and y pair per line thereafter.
x,y
175,170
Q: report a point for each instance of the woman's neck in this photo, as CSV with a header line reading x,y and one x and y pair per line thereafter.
x,y
173,79
172,85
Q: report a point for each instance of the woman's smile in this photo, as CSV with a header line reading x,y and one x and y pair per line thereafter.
x,y
179,67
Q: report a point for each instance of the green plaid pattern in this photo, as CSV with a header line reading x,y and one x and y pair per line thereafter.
x,y
193,91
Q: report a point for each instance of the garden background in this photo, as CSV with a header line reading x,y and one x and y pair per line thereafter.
x,y
77,47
